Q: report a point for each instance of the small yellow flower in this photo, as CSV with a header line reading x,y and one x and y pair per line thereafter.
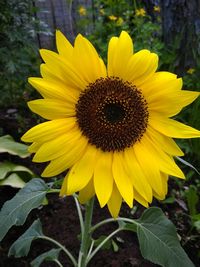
x,y
120,21
112,17
140,12
156,8
101,11
82,11
190,71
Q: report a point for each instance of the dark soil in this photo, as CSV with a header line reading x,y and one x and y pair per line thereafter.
x,y
60,221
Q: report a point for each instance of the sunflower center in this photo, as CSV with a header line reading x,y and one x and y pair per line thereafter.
x,y
112,114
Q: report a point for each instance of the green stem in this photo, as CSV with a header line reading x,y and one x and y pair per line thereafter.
x,y
91,247
86,238
79,215
135,5
120,228
51,190
112,220
102,223
62,247
102,243
59,264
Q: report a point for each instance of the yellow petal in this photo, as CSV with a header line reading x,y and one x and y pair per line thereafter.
x,y
87,61
115,201
137,176
140,199
58,146
172,128
86,193
52,109
160,83
149,166
103,178
49,74
63,190
52,89
140,66
63,69
81,173
122,53
34,147
122,181
164,161
164,179
66,161
167,144
112,46
48,130
103,68
64,47
54,63
167,103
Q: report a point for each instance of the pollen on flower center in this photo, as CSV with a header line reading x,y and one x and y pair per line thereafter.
x,y
112,114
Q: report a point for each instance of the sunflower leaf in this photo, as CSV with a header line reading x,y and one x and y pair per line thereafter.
x,y
159,241
8,167
22,245
16,210
13,180
7,144
50,255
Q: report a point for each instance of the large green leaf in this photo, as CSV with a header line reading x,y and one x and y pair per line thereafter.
x,y
7,144
22,245
158,239
14,175
5,168
50,255
13,180
16,210
8,167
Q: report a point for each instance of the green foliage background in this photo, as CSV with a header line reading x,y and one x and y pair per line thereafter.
x,y
18,49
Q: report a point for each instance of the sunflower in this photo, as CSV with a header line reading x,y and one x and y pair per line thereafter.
x,y
109,127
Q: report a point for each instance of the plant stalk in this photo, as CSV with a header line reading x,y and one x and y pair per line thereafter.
x,y
86,238
65,250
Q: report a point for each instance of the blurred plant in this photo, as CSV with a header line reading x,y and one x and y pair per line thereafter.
x,y
192,201
119,21
82,11
110,18
190,70
13,174
18,49
156,8
140,12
